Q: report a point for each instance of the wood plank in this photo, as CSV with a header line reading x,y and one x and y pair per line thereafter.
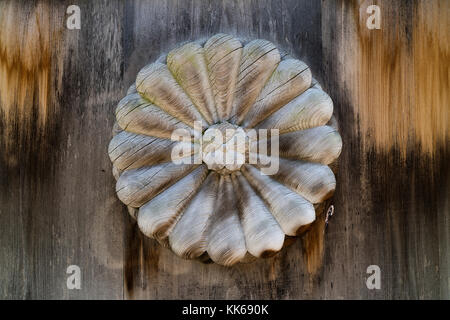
x,y
152,272
395,176
58,205
57,201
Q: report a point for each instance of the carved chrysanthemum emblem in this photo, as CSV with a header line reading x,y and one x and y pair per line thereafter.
x,y
224,211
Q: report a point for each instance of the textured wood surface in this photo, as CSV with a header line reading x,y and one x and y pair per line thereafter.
x,y
58,92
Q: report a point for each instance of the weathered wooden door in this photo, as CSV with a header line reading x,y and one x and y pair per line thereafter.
x,y
59,88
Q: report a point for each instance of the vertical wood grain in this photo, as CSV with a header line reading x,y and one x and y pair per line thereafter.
x,y
152,272
58,205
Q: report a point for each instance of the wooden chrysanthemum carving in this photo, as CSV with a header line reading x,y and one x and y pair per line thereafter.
x,y
226,212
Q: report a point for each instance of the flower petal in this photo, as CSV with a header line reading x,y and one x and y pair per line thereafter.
x,y
188,66
320,144
313,181
138,115
188,238
263,235
291,210
223,56
290,79
130,151
226,244
259,59
311,109
137,186
156,83
157,217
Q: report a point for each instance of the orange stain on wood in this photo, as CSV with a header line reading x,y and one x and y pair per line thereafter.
x,y
431,61
398,76
30,42
25,60
32,55
313,239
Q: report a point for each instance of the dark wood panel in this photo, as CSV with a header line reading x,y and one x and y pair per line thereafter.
x,y
57,203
